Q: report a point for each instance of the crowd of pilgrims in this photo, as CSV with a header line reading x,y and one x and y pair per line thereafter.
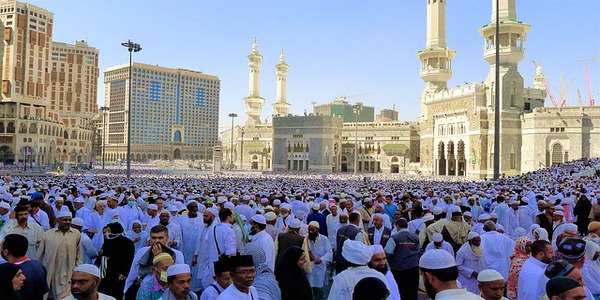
x,y
301,236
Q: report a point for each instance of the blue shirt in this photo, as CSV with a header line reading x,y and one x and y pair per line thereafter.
x,y
390,210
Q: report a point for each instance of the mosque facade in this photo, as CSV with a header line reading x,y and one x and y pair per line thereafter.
x,y
454,133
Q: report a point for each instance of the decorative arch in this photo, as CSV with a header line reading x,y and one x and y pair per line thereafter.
x,y
177,137
557,153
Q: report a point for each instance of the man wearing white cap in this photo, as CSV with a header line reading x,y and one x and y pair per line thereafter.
x,y
271,218
179,278
61,252
84,282
558,224
470,262
439,273
379,263
357,255
321,255
403,249
262,238
438,243
175,238
491,284
151,216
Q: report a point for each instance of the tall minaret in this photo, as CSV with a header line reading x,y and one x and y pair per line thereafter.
x,y
539,80
436,67
281,106
254,101
512,38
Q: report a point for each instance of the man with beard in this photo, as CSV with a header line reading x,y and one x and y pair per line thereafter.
x,y
491,284
544,218
285,217
218,240
61,252
470,262
532,280
366,211
379,263
511,218
378,234
439,273
192,225
31,230
179,278
85,280
262,238
320,256
175,239
357,255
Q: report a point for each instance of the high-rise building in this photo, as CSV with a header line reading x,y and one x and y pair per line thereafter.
x,y
388,114
175,112
341,108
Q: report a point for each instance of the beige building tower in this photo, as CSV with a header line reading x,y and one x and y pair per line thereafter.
x,y
281,106
254,101
29,131
436,58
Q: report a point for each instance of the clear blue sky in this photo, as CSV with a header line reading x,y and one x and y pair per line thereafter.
x,y
333,47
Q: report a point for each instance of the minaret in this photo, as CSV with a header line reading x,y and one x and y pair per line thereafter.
x,y
512,37
281,106
254,101
436,67
539,80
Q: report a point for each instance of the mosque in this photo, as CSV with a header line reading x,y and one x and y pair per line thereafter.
x,y
454,133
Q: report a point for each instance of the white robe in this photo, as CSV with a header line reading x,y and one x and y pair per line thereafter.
x,y
591,276
344,283
191,232
445,246
268,245
221,234
394,291
532,281
321,249
497,249
468,263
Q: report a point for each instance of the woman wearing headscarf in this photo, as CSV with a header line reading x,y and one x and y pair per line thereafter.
x,y
264,281
114,260
291,277
532,229
540,234
137,235
11,281
95,223
517,259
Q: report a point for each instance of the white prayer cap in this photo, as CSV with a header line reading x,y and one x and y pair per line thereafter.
x,y
246,198
286,206
260,211
472,235
264,201
427,217
377,249
221,199
152,206
436,259
79,200
260,219
437,237
276,202
213,211
314,223
173,208
357,253
62,214
559,207
378,215
558,213
229,205
437,210
178,269
295,223
484,217
270,216
315,206
467,214
493,216
525,200
541,202
164,211
4,205
488,275
77,221
88,268
570,227
299,214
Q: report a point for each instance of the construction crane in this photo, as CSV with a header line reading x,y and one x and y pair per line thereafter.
x,y
563,90
587,85
344,97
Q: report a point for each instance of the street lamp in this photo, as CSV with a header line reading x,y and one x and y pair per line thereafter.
x,y
232,116
356,108
104,110
242,149
205,137
497,98
131,47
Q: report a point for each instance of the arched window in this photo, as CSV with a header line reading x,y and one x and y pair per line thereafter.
x,y
177,136
557,154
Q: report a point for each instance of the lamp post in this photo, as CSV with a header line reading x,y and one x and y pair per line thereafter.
x,y
232,116
497,98
104,110
242,149
131,47
356,108
205,143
